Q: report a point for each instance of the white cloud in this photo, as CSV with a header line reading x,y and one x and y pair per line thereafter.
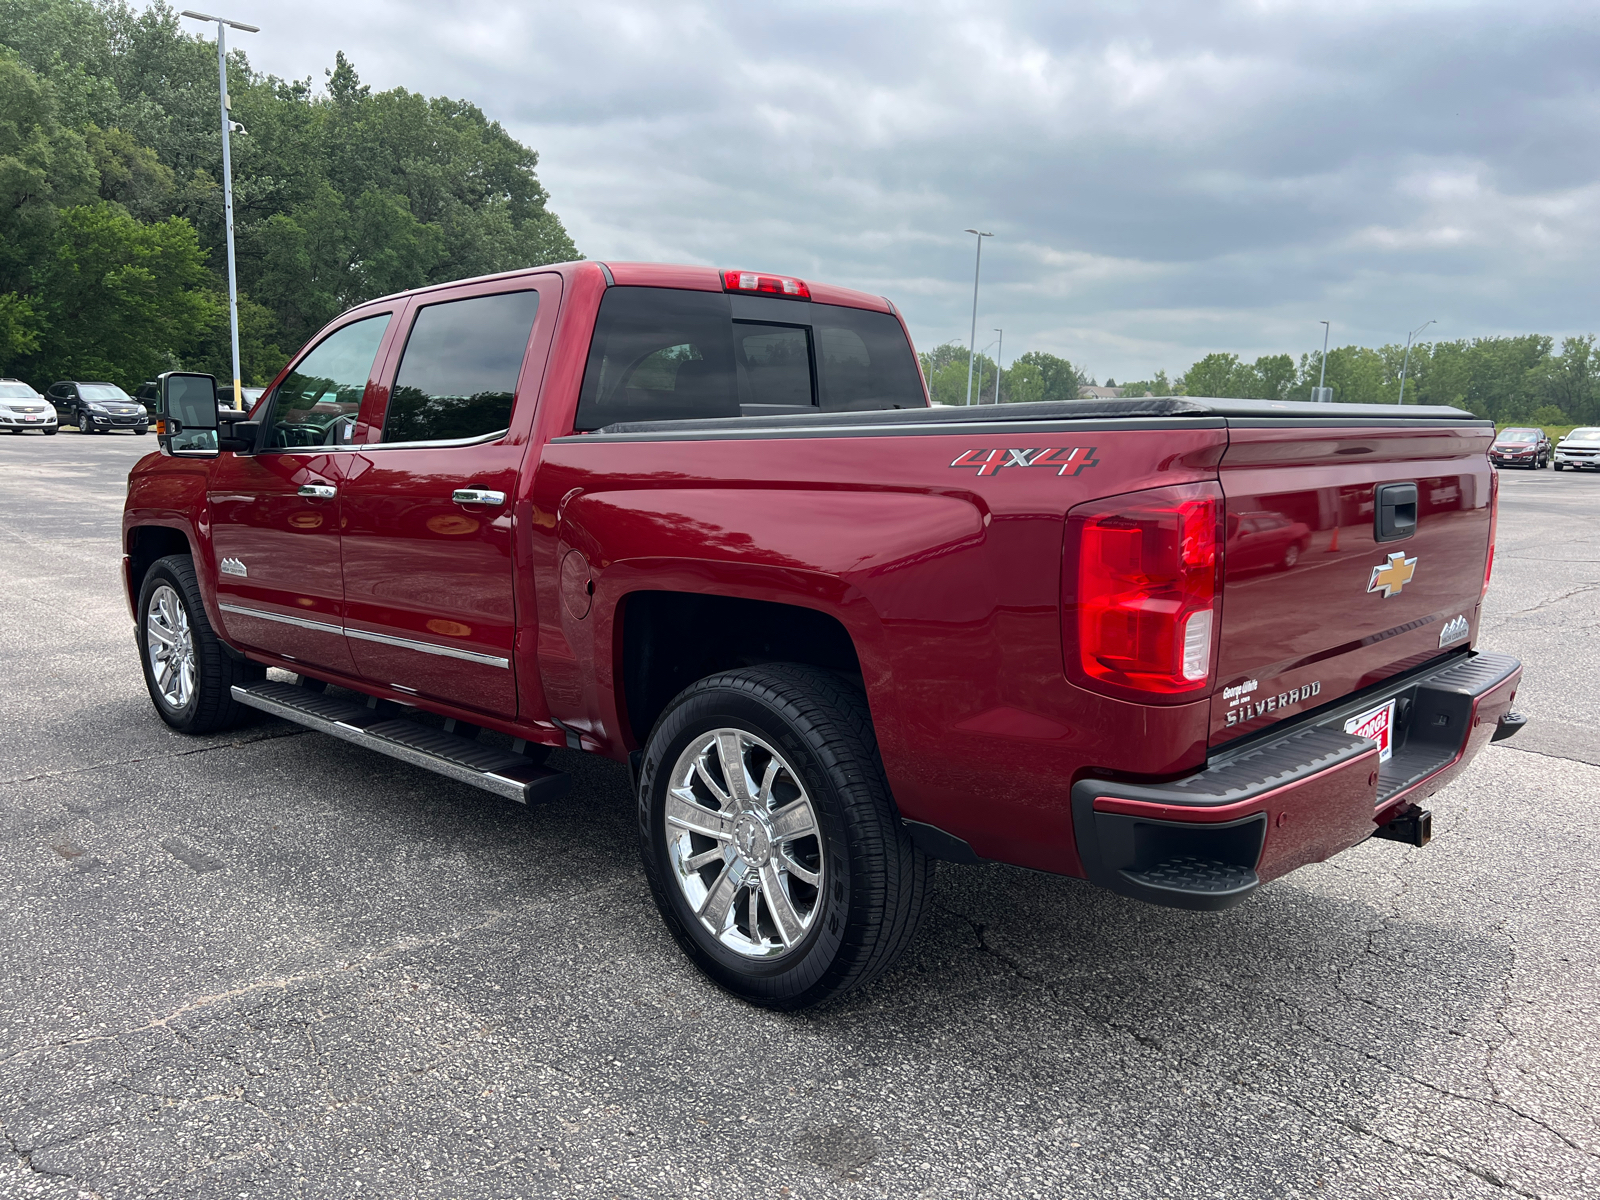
x,y
1164,179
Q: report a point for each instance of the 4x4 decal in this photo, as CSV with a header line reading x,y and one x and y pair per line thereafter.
x,y
1066,460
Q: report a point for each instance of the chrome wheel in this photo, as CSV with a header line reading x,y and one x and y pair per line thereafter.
x,y
744,843
171,646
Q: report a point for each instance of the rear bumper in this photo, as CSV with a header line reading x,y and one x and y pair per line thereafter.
x,y
1257,812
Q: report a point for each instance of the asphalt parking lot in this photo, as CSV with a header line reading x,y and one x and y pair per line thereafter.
x,y
270,964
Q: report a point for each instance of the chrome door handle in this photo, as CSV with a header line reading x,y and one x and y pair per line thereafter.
x,y
318,491
477,496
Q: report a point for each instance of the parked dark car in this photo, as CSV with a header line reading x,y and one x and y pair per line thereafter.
x,y
98,407
1526,447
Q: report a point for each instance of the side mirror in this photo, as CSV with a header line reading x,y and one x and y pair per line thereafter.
x,y
236,433
187,416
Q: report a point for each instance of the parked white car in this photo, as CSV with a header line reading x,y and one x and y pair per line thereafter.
x,y
1580,448
22,408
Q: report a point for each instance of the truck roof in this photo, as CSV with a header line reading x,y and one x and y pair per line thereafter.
x,y
664,275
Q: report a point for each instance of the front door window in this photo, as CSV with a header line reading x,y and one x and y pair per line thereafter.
x,y
316,405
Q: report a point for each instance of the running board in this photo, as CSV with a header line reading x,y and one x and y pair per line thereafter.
x,y
514,776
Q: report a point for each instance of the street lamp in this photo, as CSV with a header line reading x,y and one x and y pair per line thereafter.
x,y
999,366
1322,392
227,184
985,350
972,342
1407,360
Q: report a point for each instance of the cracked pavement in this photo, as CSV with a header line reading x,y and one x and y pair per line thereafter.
x,y
269,964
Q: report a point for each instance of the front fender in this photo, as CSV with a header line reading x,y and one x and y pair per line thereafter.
x,y
170,494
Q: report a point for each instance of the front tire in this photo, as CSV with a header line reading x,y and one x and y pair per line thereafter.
x,y
187,671
770,839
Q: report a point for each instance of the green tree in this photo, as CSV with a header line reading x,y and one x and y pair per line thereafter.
x,y
1057,378
1214,376
340,194
121,300
946,369
1156,385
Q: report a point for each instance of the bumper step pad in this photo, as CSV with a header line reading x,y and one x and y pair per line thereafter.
x,y
514,776
1187,873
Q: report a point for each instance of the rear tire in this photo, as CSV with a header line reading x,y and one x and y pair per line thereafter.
x,y
846,886
188,672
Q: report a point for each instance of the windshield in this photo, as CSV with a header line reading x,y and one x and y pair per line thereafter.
x,y
1520,435
1583,435
103,391
17,391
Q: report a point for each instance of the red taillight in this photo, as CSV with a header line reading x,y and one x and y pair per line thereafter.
x,y
1141,578
766,285
1494,521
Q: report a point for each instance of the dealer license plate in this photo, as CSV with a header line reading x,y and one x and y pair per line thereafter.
x,y
1377,724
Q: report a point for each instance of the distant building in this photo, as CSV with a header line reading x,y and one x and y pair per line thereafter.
x,y
1098,393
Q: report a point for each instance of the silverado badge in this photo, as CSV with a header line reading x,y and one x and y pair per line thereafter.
x,y
1393,575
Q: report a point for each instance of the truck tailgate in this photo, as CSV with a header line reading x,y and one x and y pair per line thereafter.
x,y
1318,601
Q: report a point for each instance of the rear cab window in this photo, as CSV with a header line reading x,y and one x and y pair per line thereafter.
x,y
666,354
458,374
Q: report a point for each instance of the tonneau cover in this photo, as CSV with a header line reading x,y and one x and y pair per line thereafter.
x,y
1063,410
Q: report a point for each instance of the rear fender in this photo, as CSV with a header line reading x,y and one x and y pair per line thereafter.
x,y
859,557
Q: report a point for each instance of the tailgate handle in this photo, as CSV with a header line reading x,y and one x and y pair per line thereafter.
x,y
1396,515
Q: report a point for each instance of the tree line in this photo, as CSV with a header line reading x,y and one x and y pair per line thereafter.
x,y
1524,378
112,260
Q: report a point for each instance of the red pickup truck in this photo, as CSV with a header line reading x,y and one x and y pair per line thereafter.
x,y
708,523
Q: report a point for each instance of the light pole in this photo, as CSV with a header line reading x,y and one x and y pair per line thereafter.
x,y
1406,362
985,350
1322,378
222,24
999,366
972,342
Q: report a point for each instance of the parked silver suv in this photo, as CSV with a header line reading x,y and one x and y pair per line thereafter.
x,y
22,408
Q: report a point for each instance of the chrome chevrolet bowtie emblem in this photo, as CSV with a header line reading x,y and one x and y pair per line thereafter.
x,y
1393,575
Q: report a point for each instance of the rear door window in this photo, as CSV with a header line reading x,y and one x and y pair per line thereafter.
x,y
458,375
864,361
317,402
663,354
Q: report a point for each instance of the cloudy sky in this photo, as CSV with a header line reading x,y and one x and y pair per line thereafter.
x,y
1162,179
